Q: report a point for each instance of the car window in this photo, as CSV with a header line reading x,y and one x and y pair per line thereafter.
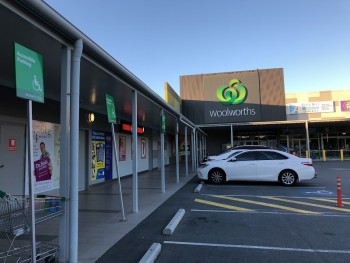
x,y
233,154
264,156
274,156
247,156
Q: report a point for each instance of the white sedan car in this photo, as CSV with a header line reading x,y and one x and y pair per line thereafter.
x,y
258,165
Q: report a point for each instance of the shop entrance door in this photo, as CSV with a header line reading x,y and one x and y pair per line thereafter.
x,y
12,158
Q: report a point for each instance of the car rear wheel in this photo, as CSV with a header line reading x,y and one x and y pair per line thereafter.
x,y
217,176
288,178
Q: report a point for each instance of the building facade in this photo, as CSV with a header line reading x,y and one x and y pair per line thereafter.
x,y
251,107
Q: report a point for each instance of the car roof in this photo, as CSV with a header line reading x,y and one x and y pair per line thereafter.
x,y
250,147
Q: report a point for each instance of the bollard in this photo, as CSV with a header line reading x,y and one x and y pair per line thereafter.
x,y
324,155
341,154
339,201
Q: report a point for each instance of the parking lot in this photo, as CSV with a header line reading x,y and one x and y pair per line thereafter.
x,y
250,222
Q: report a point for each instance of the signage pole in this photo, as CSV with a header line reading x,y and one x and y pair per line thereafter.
x,y
30,175
117,169
30,86
112,119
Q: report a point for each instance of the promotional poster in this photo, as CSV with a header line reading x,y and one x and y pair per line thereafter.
x,y
46,156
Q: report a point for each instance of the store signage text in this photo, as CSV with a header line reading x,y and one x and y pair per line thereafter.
x,y
232,112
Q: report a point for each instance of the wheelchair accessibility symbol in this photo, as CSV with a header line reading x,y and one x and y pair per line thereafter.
x,y
320,192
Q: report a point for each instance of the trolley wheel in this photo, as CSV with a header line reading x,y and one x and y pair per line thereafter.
x,y
50,259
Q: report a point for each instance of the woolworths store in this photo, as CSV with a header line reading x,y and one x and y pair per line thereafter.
x,y
251,107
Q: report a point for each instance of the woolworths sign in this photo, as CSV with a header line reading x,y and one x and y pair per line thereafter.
x,y
232,103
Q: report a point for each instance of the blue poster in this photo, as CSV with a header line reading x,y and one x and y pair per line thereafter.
x,y
101,155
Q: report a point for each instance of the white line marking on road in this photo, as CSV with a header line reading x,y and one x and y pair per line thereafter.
x,y
259,247
259,196
251,186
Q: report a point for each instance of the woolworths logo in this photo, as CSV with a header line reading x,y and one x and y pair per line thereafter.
x,y
235,93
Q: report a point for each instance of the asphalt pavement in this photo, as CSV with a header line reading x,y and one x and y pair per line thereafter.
x,y
249,222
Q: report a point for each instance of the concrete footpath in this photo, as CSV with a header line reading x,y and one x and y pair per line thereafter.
x,y
100,213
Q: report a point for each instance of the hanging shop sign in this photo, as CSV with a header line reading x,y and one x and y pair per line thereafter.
x,y
29,74
112,118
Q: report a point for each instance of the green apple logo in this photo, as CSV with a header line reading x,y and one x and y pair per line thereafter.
x,y
236,93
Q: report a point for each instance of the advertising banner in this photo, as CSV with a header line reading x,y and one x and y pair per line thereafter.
x,y
46,156
122,148
310,107
143,148
345,105
101,155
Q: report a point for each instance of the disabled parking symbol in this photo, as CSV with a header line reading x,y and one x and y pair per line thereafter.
x,y
320,192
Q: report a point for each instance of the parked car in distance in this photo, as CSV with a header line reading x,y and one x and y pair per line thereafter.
x,y
258,165
231,151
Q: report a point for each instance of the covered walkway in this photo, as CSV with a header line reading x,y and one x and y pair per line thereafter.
x,y
100,225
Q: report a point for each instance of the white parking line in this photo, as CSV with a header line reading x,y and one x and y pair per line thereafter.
x,y
261,196
259,247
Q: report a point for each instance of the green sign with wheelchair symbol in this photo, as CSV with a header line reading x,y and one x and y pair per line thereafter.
x,y
112,118
29,74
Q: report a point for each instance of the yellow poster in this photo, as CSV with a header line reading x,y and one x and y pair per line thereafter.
x,y
98,162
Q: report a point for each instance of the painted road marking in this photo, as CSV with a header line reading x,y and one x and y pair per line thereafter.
x,y
259,247
307,204
334,201
268,212
230,207
267,204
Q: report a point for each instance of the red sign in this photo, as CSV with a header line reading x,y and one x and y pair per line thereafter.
x,y
128,127
12,145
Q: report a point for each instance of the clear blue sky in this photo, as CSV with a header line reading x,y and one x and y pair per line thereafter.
x,y
160,40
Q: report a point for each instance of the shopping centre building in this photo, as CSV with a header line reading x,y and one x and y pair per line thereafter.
x,y
56,138
251,107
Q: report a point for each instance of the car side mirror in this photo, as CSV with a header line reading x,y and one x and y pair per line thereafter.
x,y
233,159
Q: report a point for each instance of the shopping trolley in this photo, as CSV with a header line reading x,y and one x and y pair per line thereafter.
x,y
15,221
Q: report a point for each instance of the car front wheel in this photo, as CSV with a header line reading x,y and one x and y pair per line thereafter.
x,y
288,178
216,176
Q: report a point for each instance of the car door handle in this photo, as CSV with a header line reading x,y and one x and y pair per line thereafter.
x,y
2,165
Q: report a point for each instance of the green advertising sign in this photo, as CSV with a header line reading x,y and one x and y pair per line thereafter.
x,y
162,123
29,74
112,118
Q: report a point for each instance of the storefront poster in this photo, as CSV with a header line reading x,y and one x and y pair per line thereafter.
x,y
46,156
122,148
143,148
101,155
345,105
132,150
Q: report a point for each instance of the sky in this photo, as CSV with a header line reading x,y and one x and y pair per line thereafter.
x,y
161,40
